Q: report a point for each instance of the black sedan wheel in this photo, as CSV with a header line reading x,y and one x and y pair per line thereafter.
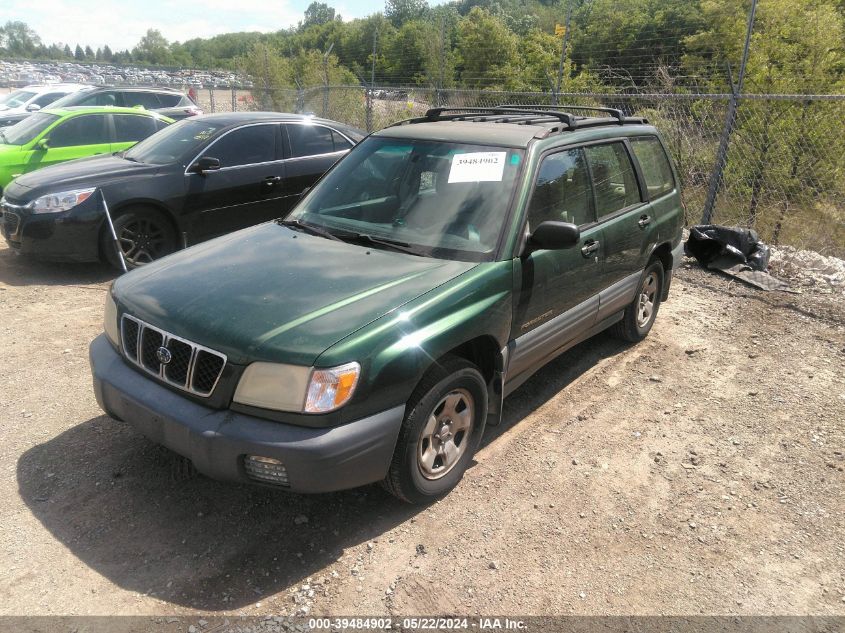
x,y
143,236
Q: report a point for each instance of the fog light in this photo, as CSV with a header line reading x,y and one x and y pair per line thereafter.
x,y
266,469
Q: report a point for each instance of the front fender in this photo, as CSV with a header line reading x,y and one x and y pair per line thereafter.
x,y
398,349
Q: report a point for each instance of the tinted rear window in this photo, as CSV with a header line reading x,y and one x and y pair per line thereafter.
x,y
132,128
148,100
170,100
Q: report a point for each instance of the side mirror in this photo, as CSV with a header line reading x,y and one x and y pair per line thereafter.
x,y
33,107
42,145
554,236
205,164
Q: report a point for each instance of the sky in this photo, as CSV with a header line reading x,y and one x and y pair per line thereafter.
x,y
121,23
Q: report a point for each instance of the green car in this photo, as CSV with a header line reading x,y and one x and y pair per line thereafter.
x,y
56,135
372,334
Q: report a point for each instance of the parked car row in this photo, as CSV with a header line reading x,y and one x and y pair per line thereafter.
x,y
20,104
196,179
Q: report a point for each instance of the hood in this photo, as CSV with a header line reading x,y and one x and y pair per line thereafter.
x,y
93,171
270,293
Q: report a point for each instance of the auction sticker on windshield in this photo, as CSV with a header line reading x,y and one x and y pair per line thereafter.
x,y
477,167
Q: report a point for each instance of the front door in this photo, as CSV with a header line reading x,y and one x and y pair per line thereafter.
x,y
246,190
76,137
557,290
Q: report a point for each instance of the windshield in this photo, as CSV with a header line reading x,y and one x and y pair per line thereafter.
x,y
23,132
444,200
177,143
15,99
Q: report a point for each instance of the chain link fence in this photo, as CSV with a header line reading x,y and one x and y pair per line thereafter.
x,y
784,168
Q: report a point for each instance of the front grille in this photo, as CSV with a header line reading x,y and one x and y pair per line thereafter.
x,y
191,367
10,222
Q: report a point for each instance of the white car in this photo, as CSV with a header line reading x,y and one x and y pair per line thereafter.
x,y
18,104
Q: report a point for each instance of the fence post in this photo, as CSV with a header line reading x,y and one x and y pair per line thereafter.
x,y
563,52
211,99
730,120
234,100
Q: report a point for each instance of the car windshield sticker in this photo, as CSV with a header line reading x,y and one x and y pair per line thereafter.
x,y
477,167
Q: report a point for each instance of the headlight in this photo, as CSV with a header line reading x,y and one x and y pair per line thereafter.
x,y
63,201
297,389
272,386
110,320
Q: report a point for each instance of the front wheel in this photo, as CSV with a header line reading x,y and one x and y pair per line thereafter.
x,y
143,236
640,314
443,426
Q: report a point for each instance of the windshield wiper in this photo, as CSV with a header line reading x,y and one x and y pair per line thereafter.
x,y
396,245
309,228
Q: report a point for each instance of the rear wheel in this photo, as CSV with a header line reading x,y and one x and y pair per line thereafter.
x,y
642,311
442,429
143,236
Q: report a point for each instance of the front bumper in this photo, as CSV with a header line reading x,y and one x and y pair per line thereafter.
x,y
216,441
69,236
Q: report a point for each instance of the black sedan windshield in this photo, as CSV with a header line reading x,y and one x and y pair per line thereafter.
x,y
177,143
23,132
444,200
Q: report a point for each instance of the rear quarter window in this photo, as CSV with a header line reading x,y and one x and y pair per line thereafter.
x,y
657,171
170,100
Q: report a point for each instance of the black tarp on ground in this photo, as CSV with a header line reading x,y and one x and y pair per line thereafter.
x,y
734,251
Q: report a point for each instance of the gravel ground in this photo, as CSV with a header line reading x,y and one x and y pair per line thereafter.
x,y
700,472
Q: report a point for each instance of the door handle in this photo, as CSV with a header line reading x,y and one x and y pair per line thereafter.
x,y
589,248
644,221
273,180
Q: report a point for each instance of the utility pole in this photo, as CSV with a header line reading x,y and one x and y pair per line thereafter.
x,y
730,122
326,81
371,89
442,69
563,51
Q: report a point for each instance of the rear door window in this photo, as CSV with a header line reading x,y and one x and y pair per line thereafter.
x,y
312,140
657,171
47,99
148,100
132,128
88,129
614,179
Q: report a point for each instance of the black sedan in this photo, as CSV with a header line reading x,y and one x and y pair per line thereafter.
x,y
197,179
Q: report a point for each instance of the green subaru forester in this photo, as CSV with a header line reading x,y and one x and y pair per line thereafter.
x,y
373,333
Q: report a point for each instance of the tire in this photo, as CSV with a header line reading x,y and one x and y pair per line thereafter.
x,y
431,455
144,235
641,313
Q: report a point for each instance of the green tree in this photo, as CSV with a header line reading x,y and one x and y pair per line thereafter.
x,y
89,54
18,40
401,11
317,13
107,54
78,53
153,48
486,50
67,52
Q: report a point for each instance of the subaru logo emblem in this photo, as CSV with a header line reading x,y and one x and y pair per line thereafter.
x,y
163,355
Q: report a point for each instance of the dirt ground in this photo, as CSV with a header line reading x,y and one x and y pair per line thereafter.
x,y
698,472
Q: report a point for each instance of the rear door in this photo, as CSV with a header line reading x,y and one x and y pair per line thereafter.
x,y
246,190
74,137
557,290
310,148
131,128
625,218
661,186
